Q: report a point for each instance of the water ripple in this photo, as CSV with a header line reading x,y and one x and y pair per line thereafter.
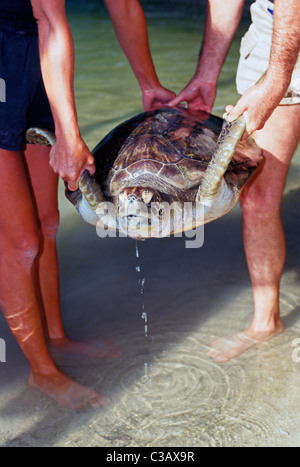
x,y
186,397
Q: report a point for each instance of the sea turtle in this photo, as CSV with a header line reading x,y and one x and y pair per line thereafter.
x,y
163,172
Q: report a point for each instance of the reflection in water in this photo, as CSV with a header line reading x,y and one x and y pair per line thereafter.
x,y
191,297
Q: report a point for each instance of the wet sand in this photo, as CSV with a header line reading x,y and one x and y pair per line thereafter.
x,y
165,391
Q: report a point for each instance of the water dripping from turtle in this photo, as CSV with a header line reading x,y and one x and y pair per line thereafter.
x,y
144,315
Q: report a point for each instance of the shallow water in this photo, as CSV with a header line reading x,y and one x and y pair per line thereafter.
x,y
190,296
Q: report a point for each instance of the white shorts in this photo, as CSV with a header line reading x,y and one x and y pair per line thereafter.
x,y
255,53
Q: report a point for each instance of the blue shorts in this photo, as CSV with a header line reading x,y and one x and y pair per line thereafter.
x,y
23,99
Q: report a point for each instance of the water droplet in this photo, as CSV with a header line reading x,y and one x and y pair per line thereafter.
x,y
143,282
145,317
146,378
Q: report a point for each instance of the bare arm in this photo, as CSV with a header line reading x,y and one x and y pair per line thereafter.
x,y
69,156
260,101
131,29
223,18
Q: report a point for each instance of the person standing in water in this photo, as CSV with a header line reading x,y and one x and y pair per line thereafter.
x,y
29,290
36,41
272,112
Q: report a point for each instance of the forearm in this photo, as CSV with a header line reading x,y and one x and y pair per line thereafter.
x,y
57,63
131,29
223,19
285,44
69,156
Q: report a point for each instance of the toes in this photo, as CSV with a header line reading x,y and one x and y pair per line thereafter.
x,y
99,402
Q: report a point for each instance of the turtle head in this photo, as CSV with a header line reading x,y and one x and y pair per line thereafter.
x,y
138,209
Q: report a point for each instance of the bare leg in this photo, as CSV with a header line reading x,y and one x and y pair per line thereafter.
x,y
20,297
263,233
44,184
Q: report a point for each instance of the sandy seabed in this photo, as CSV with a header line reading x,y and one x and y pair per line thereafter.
x,y
165,391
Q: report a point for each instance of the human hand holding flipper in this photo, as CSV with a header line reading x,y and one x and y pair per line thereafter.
x,y
233,131
87,184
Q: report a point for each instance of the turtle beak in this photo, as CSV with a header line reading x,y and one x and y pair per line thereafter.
x,y
136,212
137,201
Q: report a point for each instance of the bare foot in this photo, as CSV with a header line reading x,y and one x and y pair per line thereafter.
x,y
66,392
100,349
226,348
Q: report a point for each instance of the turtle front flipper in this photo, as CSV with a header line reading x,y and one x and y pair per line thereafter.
x,y
40,136
228,141
89,195
88,199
